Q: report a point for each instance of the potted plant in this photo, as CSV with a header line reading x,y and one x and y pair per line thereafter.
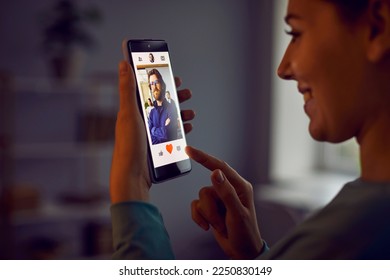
x,y
65,34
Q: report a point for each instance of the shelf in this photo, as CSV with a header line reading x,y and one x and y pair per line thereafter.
x,y
54,212
48,86
61,150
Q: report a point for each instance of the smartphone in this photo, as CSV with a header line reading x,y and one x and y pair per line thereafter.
x,y
159,106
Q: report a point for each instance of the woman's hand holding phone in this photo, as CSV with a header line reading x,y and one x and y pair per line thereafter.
x,y
227,205
129,178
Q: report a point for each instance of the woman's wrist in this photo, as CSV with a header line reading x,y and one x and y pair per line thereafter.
x,y
133,189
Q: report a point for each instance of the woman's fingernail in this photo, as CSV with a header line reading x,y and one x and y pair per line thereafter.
x,y
220,178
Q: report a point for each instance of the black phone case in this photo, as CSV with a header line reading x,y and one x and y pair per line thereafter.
x,y
169,171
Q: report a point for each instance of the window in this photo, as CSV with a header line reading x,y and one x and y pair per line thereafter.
x,y
343,157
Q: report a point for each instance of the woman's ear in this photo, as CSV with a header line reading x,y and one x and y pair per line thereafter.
x,y
379,20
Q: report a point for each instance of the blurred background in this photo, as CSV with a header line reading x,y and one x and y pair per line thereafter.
x,y
58,104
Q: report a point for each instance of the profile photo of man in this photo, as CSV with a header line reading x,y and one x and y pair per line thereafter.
x,y
151,58
163,117
168,97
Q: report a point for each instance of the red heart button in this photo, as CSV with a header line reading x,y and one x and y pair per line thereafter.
x,y
169,148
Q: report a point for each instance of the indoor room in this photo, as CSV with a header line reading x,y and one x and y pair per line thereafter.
x,y
58,105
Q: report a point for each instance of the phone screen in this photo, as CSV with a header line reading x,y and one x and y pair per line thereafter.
x,y
160,108
156,86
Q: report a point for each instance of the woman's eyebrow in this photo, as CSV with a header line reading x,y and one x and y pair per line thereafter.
x,y
290,16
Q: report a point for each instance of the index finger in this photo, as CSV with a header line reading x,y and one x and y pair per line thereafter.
x,y
213,163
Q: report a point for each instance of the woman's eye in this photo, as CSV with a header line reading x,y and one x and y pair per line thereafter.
x,y
294,35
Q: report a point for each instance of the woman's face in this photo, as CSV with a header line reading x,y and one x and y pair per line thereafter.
x,y
327,59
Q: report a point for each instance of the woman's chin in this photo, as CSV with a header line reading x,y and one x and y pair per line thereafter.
x,y
321,135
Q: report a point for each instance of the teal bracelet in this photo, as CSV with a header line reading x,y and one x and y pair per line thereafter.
x,y
264,249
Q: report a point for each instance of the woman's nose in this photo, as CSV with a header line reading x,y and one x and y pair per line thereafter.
x,y
285,70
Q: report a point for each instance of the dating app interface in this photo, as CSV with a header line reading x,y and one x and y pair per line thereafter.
x,y
160,104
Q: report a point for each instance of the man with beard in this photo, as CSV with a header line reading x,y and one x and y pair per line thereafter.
x,y
162,117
